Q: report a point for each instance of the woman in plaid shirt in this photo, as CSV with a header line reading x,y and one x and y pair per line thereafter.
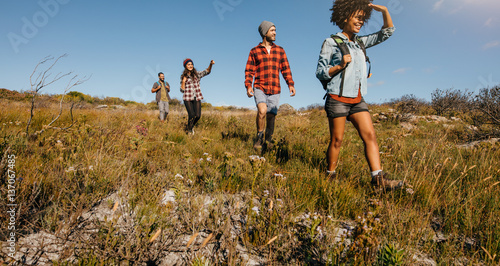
x,y
190,87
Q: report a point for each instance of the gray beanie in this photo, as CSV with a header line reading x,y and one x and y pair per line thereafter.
x,y
264,27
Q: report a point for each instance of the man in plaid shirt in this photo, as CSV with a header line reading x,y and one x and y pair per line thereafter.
x,y
265,61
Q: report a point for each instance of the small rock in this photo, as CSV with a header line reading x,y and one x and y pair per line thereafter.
x,y
169,196
439,237
423,260
474,144
286,108
408,126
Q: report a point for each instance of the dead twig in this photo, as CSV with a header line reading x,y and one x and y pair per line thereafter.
x,y
42,80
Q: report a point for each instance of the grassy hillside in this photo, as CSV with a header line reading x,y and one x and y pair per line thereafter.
x,y
165,192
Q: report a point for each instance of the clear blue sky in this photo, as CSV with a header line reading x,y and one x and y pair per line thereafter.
x,y
124,44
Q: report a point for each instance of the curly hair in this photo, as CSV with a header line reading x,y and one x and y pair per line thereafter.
x,y
344,9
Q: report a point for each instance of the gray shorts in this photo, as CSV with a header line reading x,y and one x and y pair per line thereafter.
x,y
336,109
272,100
163,106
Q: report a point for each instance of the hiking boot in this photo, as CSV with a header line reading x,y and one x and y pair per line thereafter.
x,y
381,182
268,144
258,144
330,175
260,140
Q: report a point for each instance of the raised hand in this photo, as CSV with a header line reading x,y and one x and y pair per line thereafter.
x,y
385,13
378,8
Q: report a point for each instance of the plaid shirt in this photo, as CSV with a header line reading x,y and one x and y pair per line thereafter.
x,y
265,67
192,88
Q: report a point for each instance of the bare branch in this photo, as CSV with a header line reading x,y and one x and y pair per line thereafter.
x,y
70,85
488,103
63,128
495,119
43,79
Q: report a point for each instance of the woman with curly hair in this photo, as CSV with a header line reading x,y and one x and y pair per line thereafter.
x,y
190,87
344,76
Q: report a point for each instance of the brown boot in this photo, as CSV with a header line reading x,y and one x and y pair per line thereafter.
x,y
381,182
330,175
260,140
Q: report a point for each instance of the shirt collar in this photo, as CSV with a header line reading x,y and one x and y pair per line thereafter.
x,y
261,45
341,35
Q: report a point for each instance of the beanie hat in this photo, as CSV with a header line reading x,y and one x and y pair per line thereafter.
x,y
186,62
264,27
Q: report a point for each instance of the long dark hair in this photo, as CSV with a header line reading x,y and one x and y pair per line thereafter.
x,y
193,74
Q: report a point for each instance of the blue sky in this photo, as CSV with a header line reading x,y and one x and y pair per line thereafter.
x,y
124,44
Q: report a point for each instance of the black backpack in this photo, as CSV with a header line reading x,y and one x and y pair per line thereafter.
x,y
345,51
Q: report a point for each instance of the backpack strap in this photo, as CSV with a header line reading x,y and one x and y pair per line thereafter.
x,y
363,47
345,51
341,44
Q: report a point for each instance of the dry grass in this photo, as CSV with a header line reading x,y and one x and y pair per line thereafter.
x,y
227,203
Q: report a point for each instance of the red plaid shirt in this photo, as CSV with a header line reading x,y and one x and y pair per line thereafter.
x,y
192,87
265,68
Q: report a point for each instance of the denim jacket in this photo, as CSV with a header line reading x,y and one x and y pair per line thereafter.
x,y
356,73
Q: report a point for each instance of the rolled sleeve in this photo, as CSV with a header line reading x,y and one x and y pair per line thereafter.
x,y
377,37
203,73
326,60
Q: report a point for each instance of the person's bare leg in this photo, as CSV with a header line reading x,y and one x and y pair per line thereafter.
x,y
261,124
337,126
261,116
362,121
